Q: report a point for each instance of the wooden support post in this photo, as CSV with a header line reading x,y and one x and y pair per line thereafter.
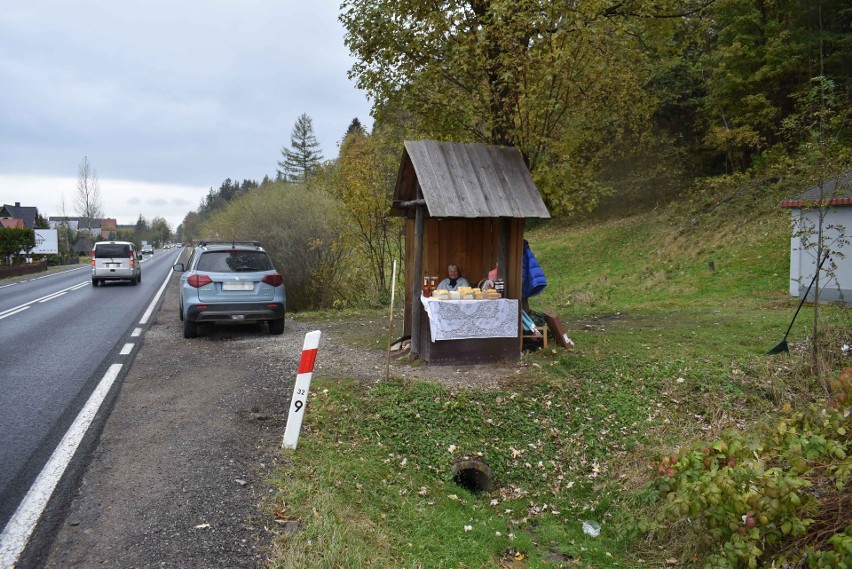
x,y
503,254
416,278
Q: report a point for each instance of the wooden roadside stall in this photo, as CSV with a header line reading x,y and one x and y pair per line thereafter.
x,y
464,204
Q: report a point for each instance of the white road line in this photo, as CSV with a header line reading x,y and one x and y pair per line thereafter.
x,y
20,527
157,296
43,277
60,272
18,311
46,297
136,333
57,295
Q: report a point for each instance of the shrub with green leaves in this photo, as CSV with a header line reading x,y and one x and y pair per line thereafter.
x,y
779,492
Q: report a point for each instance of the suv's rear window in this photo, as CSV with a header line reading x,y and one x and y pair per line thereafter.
x,y
234,262
112,250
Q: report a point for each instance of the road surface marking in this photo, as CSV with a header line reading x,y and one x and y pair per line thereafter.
x,y
20,527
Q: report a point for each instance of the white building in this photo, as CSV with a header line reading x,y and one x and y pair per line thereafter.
x,y
835,197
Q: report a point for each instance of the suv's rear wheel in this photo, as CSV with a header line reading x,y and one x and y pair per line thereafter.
x,y
94,282
190,329
276,327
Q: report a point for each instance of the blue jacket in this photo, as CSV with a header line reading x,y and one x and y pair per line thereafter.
x,y
532,276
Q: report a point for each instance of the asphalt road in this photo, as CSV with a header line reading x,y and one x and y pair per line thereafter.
x,y
58,337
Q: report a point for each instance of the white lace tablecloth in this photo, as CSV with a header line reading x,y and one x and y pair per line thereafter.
x,y
465,319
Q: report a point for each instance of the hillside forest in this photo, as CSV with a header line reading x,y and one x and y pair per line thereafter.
x,y
617,107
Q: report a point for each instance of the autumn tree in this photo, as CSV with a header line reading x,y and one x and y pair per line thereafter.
x,y
303,249
190,228
820,131
87,200
542,76
66,236
160,231
763,57
141,231
300,161
362,180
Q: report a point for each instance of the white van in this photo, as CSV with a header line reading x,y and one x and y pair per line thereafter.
x,y
115,261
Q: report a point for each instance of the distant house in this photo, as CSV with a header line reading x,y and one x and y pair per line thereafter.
x,y
9,223
57,222
836,196
81,223
109,228
17,211
102,230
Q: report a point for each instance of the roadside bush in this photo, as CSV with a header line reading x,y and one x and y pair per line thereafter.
x,y
779,493
299,229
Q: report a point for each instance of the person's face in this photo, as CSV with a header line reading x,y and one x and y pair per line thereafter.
x,y
453,272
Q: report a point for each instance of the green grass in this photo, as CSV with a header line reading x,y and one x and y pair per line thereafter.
x,y
667,352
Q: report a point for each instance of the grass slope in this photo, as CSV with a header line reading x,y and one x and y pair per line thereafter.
x,y
667,352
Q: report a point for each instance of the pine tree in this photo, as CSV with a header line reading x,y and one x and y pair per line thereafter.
x,y
355,127
301,160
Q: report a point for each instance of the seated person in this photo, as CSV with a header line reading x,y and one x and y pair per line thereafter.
x,y
454,279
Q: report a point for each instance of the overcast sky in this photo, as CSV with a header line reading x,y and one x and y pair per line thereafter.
x,y
166,98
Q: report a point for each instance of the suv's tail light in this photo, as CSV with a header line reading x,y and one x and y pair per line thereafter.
x,y
198,281
273,280
132,259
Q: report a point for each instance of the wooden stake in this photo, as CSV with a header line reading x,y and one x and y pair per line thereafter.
x,y
390,320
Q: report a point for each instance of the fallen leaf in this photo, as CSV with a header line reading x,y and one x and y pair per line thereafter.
x,y
202,526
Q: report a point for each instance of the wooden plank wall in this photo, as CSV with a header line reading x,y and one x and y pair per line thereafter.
x,y
473,244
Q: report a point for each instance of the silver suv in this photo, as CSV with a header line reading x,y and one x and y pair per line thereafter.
x,y
230,281
115,261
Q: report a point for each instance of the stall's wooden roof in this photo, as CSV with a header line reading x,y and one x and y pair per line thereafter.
x,y
467,180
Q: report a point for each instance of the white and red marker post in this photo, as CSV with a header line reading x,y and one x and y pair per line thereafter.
x,y
300,390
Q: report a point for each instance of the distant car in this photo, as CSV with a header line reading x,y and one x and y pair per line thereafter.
x,y
147,249
115,261
230,281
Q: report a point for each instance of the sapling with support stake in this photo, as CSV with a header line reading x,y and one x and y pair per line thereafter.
x,y
782,345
